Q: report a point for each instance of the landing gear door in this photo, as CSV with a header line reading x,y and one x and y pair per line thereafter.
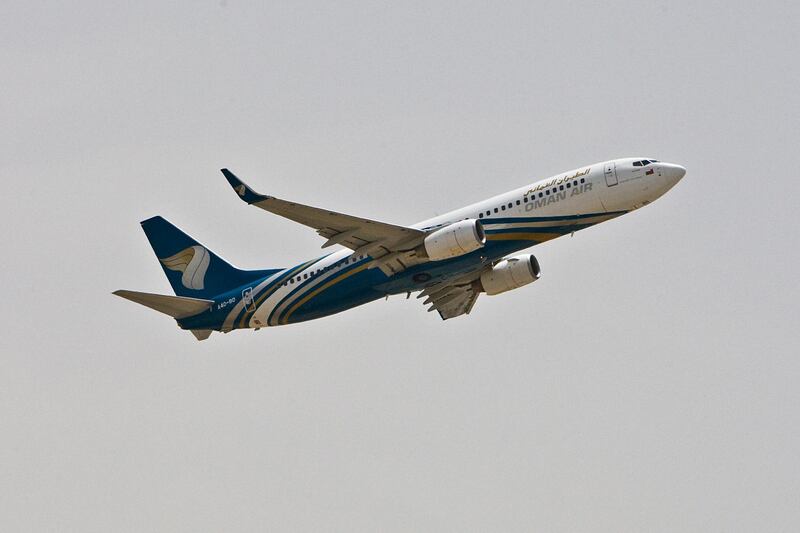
x,y
611,173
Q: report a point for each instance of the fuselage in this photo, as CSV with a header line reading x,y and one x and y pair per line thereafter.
x,y
512,221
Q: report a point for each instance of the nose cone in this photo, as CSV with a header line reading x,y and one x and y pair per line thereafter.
x,y
668,175
674,172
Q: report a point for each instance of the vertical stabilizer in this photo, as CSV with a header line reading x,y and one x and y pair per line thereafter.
x,y
192,269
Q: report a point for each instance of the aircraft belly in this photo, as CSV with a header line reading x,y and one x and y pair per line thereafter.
x,y
330,306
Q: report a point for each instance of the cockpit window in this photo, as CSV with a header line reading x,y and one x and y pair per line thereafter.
x,y
637,163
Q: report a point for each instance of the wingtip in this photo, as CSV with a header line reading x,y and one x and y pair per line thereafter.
x,y
156,218
241,188
230,176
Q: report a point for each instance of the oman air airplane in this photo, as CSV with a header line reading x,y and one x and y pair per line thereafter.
x,y
449,259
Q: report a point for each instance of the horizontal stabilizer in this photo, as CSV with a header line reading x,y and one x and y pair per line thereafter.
x,y
174,306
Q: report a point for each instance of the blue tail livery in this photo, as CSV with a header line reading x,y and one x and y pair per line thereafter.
x,y
449,260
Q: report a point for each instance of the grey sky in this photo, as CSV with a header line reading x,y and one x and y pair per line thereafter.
x,y
648,382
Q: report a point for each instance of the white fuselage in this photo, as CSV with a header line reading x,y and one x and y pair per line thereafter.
x,y
591,194
623,188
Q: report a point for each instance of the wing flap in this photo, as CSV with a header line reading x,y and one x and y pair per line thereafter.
x,y
454,297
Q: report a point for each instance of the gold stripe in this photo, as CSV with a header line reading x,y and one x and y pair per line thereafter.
x,y
517,236
318,290
180,260
268,292
550,223
248,314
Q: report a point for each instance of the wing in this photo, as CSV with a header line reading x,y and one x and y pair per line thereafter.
x,y
391,246
452,298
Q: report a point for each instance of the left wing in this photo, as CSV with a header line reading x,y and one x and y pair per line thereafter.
x,y
453,298
391,246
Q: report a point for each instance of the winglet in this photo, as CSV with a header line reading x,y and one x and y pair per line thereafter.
x,y
242,189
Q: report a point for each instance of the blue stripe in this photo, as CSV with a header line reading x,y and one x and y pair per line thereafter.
x,y
547,219
303,284
278,281
344,294
552,229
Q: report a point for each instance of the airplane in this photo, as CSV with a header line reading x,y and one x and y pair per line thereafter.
x,y
449,259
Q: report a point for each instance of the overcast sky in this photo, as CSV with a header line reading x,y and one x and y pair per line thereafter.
x,y
648,381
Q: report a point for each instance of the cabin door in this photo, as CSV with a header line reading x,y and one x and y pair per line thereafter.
x,y
611,173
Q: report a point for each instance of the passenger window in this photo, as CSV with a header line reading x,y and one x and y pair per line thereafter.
x,y
495,210
518,202
503,207
583,180
547,192
568,185
480,216
560,187
540,195
525,199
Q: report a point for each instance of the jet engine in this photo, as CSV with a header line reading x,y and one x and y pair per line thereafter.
x,y
511,273
457,239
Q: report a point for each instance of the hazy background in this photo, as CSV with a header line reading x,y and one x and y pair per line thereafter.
x,y
648,382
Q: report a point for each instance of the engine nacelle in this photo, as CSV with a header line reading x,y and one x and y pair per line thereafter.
x,y
511,273
457,239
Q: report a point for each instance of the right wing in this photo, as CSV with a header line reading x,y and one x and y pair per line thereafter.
x,y
454,297
391,246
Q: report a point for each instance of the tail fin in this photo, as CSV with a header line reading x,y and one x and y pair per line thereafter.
x,y
192,269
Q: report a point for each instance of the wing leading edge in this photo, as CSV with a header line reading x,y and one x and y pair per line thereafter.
x,y
391,246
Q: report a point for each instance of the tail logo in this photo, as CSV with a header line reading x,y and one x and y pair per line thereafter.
x,y
193,262
241,189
